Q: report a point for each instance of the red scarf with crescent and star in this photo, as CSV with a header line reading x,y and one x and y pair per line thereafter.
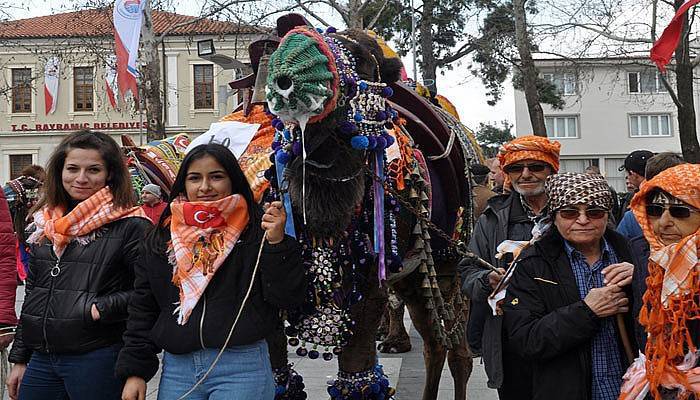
x,y
203,233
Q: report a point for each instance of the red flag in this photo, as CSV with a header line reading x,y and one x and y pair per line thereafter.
x,y
663,49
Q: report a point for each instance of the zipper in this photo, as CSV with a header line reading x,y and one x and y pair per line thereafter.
x,y
53,273
201,321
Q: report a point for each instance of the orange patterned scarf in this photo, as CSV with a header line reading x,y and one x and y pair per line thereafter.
x,y
203,234
529,148
88,216
671,299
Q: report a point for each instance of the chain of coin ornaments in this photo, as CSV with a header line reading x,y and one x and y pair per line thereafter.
x,y
324,326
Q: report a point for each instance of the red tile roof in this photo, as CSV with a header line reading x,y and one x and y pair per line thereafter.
x,y
98,22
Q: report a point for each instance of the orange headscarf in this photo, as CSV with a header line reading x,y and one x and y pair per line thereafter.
x,y
529,148
673,287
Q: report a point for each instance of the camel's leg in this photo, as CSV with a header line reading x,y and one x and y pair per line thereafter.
x,y
434,353
398,340
383,330
360,354
459,358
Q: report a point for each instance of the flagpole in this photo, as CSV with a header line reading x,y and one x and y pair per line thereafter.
x,y
140,118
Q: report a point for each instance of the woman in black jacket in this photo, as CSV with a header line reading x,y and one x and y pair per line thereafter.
x,y
80,276
561,305
212,258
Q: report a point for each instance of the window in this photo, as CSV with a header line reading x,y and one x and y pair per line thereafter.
x,y
614,176
564,82
21,90
650,125
83,89
18,162
647,81
203,86
562,127
576,165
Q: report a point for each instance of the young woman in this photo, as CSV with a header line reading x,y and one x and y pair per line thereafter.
x,y
82,256
668,210
213,259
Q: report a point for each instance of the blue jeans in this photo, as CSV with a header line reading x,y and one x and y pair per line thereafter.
x,y
242,373
72,376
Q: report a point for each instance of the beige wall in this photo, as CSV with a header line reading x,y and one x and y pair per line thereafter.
x,y
180,57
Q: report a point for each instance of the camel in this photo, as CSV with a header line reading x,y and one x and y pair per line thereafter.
x,y
349,137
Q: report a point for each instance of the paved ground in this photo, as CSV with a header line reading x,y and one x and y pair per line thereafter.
x,y
405,371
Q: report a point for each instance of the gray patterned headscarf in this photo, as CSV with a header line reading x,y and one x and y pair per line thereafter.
x,y
572,188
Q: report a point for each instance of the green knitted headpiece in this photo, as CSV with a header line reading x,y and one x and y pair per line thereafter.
x,y
301,76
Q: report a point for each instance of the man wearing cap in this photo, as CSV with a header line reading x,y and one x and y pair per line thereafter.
x,y
526,163
482,194
153,205
635,166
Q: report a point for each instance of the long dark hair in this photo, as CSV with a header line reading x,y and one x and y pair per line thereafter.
x,y
54,195
160,234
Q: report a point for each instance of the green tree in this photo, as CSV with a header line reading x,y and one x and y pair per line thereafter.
x,y
491,136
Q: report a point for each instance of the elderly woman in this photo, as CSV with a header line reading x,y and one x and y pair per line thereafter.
x,y
561,302
668,210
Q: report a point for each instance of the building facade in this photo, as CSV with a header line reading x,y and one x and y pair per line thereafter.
x,y
195,90
612,107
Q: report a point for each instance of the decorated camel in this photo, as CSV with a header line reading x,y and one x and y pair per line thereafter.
x,y
375,182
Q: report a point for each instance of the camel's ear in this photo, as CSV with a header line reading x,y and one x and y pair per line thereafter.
x,y
390,68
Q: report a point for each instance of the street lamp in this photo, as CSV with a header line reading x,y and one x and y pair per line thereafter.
x,y
207,51
205,48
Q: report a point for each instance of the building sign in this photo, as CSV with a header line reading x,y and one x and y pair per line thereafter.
x,y
77,126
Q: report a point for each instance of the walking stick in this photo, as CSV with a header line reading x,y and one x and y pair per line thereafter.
x,y
625,338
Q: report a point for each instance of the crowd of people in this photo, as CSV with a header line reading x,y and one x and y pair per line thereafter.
x,y
592,295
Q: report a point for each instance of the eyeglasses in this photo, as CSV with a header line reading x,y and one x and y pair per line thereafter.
x,y
519,168
676,211
591,213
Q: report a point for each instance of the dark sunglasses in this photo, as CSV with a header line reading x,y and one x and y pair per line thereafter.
x,y
676,211
519,168
591,213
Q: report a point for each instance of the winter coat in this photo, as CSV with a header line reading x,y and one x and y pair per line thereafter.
x,y
152,324
549,324
153,212
504,218
8,266
56,315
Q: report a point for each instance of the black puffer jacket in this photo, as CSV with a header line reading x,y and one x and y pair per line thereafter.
x,y
56,312
548,323
152,325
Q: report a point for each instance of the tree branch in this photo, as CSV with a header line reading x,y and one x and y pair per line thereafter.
x,y
211,12
463,51
670,90
603,32
311,13
379,13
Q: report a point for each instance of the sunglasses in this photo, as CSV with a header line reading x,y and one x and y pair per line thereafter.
x,y
591,213
519,168
676,211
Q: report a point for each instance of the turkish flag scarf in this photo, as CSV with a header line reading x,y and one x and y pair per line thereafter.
x,y
202,236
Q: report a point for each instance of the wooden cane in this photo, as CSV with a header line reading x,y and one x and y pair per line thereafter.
x,y
625,338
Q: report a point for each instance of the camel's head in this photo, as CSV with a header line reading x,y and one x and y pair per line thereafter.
x,y
313,75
